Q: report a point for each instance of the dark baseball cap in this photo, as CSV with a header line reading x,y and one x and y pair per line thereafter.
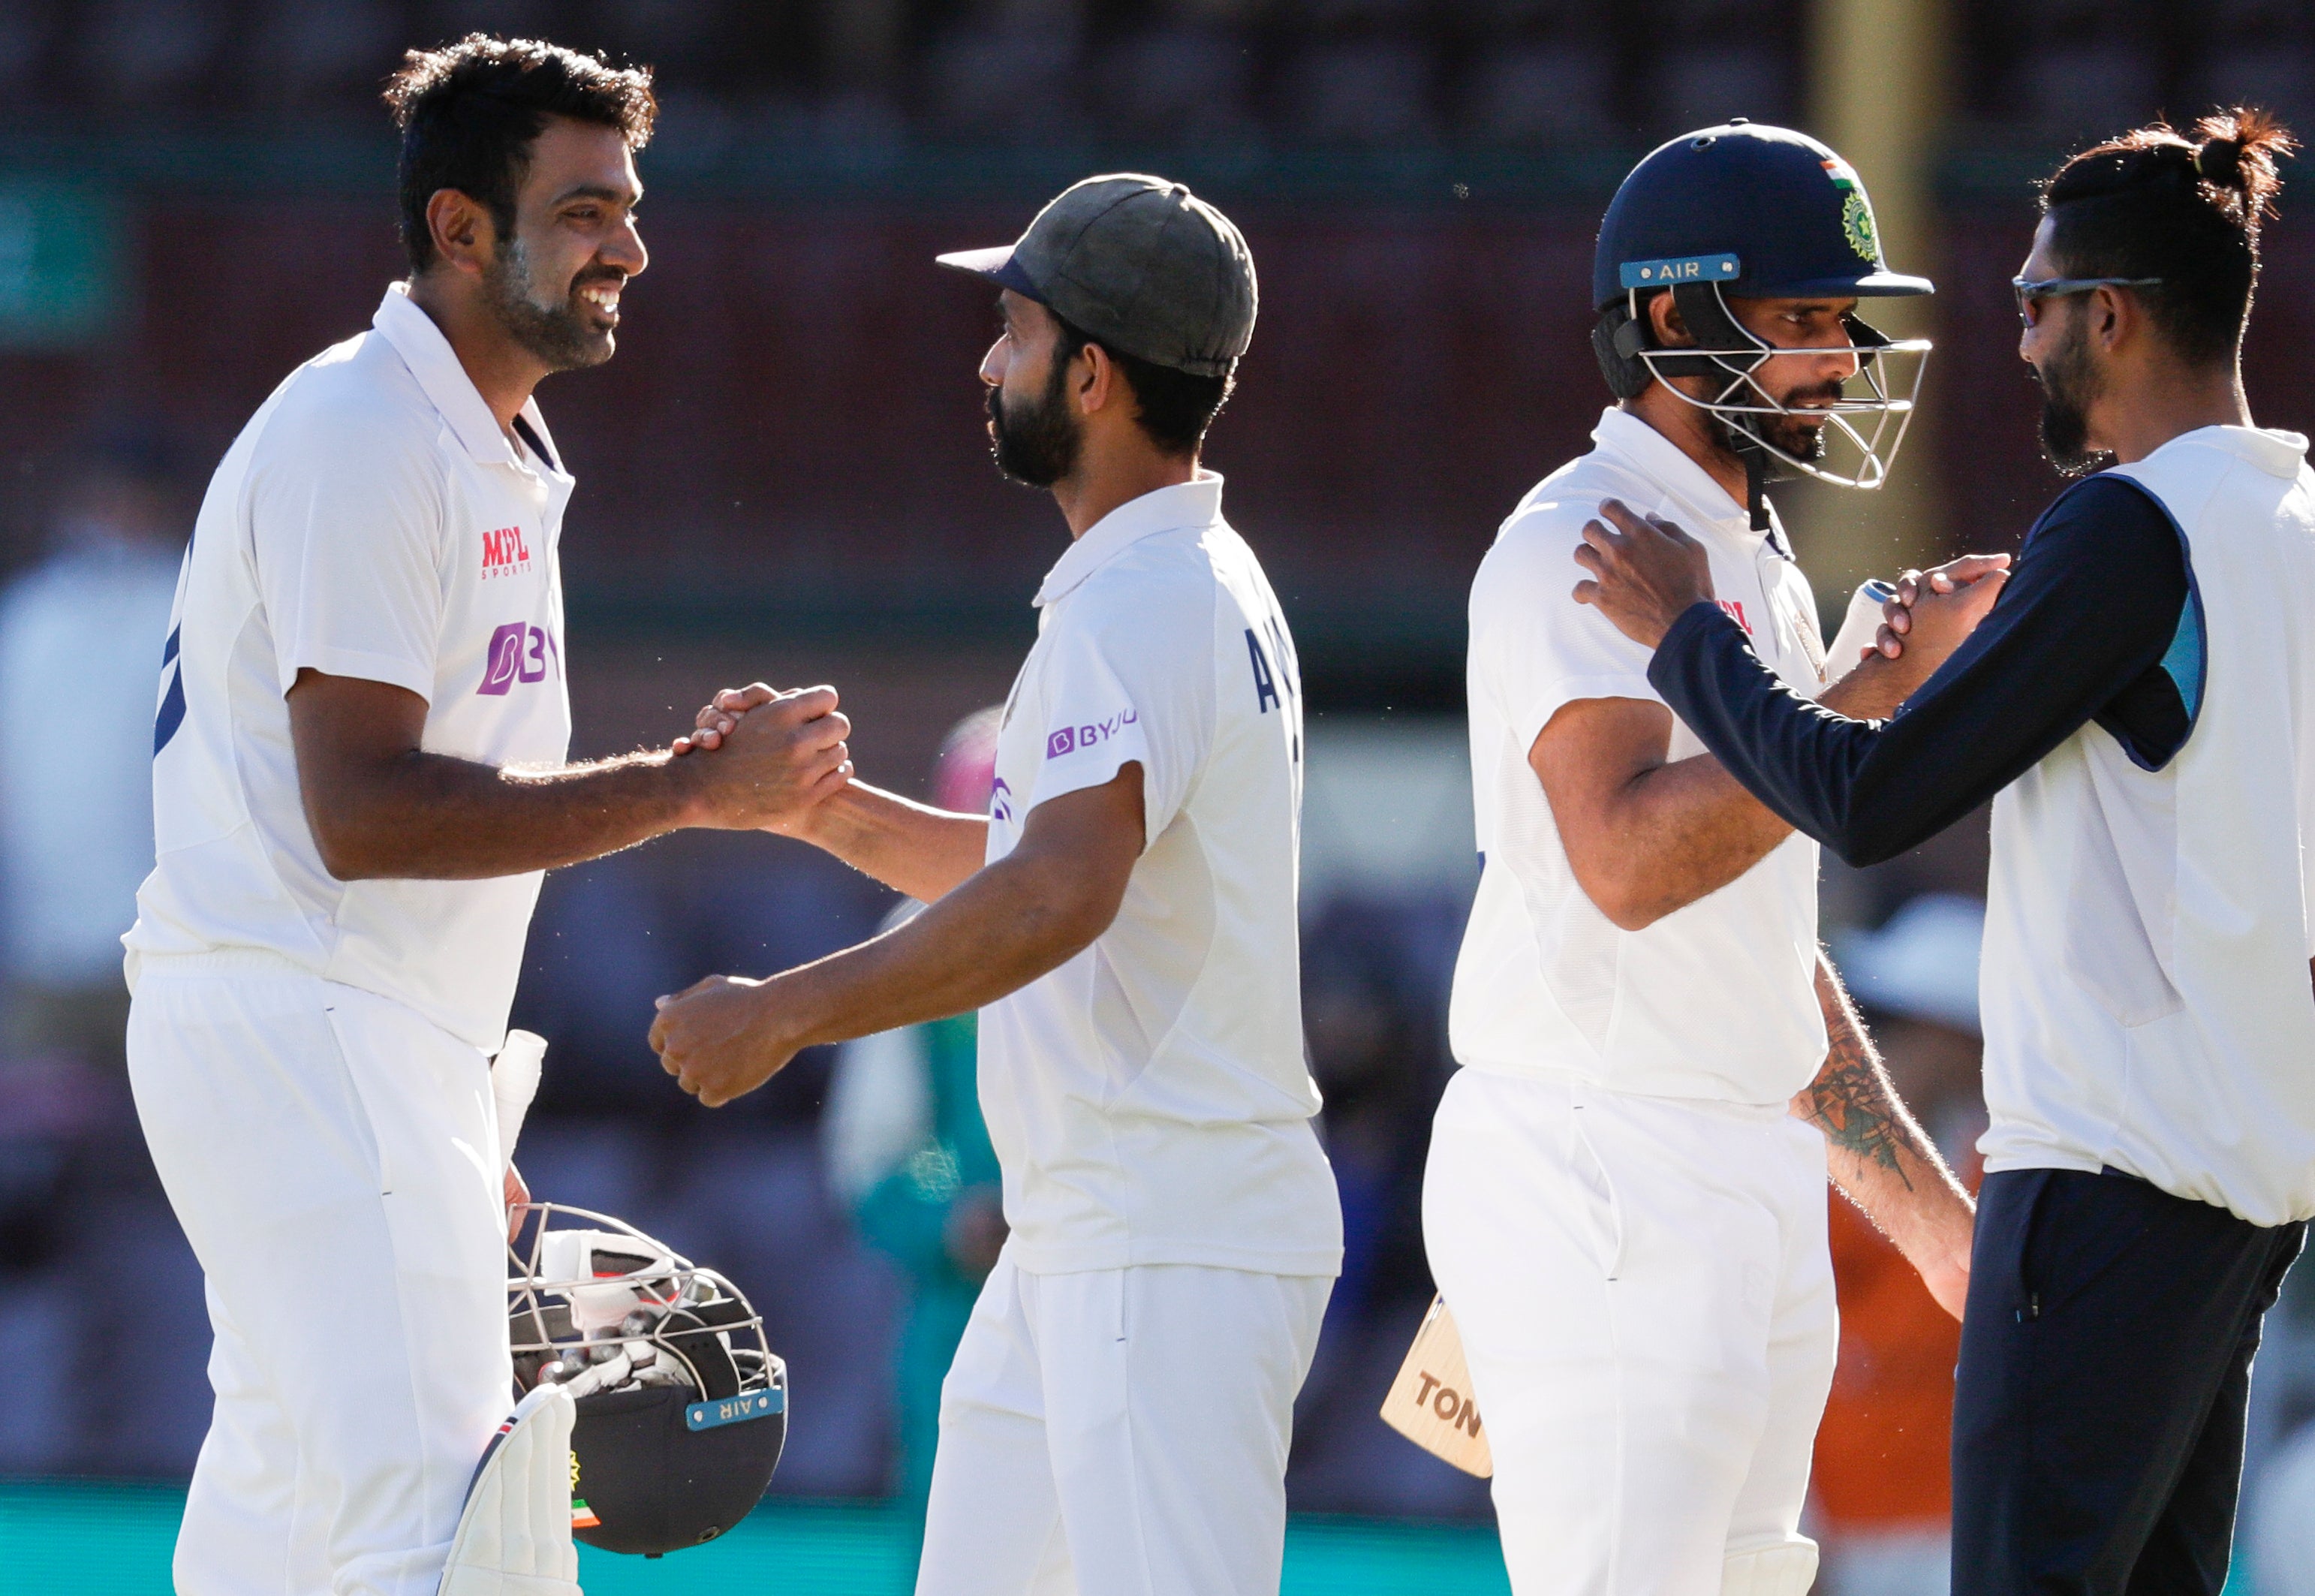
x,y
1139,263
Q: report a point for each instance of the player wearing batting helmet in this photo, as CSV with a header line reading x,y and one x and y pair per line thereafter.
x,y
1625,1217
2139,706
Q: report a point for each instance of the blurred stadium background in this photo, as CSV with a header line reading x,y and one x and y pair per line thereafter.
x,y
783,476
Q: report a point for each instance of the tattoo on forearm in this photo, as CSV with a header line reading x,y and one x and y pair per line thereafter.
x,y
1850,1099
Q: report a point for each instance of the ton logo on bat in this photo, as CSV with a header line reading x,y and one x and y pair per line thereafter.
x,y
1449,1403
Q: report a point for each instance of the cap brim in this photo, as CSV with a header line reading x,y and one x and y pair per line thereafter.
x,y
993,265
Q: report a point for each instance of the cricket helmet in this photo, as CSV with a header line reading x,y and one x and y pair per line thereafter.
x,y
1746,212
682,1406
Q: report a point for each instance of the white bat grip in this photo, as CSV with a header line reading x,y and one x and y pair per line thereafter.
x,y
1858,628
514,1082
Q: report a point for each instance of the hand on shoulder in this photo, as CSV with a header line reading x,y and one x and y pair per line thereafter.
x,y
1645,571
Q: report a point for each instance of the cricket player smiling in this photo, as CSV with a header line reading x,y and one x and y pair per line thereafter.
x,y
358,778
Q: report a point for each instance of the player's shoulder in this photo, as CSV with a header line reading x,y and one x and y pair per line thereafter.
x,y
2108,517
1553,512
1168,575
1148,614
355,400
1537,542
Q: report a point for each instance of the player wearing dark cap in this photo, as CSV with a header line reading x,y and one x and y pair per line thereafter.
x,y
1627,1220
1118,1415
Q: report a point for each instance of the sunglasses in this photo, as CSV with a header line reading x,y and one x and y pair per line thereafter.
x,y
2031,293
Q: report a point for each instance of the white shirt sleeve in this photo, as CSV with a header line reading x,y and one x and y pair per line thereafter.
x,y
348,533
1129,677
1532,644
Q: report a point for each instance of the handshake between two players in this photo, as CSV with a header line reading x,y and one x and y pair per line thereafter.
x,y
714,1037
361,775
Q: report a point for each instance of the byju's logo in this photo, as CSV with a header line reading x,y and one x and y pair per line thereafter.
x,y
504,552
519,653
1069,740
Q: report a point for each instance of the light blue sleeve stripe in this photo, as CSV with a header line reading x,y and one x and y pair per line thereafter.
x,y
2183,658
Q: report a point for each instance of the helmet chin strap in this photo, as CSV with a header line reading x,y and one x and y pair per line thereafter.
x,y
1713,325
1756,476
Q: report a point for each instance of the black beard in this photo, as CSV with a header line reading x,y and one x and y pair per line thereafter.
x,y
1037,447
1799,439
562,339
2070,385
1803,440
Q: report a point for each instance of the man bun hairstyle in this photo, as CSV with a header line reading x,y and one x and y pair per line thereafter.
x,y
2157,203
1173,407
470,112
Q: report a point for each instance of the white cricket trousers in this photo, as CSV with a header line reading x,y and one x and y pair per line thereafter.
x,y
1645,1292
1120,1433
334,1159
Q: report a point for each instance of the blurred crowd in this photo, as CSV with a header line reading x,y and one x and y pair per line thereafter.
x,y
1275,73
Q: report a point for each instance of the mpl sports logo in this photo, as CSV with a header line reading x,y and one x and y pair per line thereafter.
x,y
504,552
519,653
1069,740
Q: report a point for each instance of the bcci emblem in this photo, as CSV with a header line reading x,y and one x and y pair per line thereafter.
x,y
1856,211
1856,222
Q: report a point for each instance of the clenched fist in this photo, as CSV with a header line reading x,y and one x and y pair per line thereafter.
x,y
721,1039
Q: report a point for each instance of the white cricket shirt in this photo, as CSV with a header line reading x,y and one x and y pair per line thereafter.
x,y
1149,1100
371,520
1715,1000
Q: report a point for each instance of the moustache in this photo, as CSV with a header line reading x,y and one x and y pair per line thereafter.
x,y
1799,398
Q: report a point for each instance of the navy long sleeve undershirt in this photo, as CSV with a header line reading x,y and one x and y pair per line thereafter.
x,y
2097,623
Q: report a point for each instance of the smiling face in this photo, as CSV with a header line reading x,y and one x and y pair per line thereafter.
x,y
554,284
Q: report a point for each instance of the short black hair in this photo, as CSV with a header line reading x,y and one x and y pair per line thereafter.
x,y
470,112
2155,203
1174,408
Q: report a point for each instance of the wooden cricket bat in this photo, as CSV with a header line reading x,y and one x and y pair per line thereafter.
x,y
1431,1403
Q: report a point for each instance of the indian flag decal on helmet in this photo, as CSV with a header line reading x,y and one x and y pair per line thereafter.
x,y
1856,211
583,1517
